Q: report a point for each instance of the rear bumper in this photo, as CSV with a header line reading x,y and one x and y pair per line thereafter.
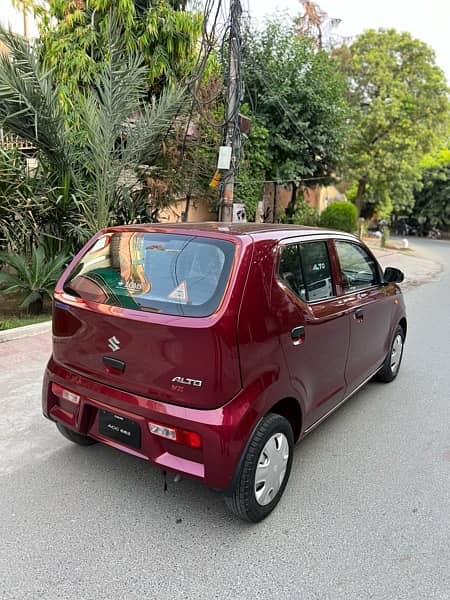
x,y
224,431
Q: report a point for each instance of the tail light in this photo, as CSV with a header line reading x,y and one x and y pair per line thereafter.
x,y
61,392
181,436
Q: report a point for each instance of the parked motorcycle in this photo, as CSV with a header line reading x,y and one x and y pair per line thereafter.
x,y
434,233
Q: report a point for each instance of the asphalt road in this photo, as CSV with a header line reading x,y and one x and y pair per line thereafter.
x,y
366,513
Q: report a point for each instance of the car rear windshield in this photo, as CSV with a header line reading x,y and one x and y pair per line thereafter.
x,y
166,273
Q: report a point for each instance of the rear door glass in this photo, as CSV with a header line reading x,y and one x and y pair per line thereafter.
x,y
290,270
305,269
166,273
316,271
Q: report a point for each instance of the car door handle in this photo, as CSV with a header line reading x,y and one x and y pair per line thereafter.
x,y
298,333
359,314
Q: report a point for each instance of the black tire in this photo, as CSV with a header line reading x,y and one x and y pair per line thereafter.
x,y
73,436
242,499
387,374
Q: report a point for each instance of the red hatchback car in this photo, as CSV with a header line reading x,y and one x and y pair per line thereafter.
x,y
210,349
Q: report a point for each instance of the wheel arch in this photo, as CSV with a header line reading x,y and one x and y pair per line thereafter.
x,y
290,409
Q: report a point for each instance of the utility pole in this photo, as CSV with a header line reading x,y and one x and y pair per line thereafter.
x,y
231,128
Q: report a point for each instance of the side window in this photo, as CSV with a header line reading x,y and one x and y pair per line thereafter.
x,y
316,271
290,270
358,268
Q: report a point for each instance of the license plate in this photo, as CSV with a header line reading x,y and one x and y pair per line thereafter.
x,y
120,429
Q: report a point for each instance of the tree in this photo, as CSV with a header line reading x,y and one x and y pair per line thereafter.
x,y
252,168
400,110
95,166
74,39
298,95
432,198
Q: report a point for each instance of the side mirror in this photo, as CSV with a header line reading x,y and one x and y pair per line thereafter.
x,y
393,275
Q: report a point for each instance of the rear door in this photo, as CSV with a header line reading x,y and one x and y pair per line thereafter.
x,y
370,310
314,329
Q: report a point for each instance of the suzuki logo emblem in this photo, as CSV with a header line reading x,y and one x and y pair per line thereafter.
x,y
114,343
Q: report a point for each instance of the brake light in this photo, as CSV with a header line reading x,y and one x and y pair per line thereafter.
x,y
181,436
61,392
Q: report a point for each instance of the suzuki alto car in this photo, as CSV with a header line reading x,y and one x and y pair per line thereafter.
x,y
210,349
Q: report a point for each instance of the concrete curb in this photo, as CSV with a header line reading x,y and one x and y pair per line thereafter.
x,y
21,332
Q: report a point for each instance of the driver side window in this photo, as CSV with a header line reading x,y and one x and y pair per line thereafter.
x,y
358,268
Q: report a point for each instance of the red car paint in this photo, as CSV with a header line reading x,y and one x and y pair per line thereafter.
x,y
243,354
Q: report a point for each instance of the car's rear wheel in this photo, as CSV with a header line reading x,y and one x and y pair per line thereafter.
x,y
265,470
73,436
393,360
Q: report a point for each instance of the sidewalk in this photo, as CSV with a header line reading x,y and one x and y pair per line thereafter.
x,y
417,267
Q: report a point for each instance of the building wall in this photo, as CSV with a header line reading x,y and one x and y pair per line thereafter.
x,y
13,18
276,198
199,212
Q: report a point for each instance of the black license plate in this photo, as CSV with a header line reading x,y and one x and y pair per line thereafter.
x,y
119,428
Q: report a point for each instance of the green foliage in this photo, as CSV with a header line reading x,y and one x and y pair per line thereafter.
x,y
298,95
30,214
432,199
250,184
33,278
341,216
88,166
400,110
189,158
438,159
13,321
304,214
74,39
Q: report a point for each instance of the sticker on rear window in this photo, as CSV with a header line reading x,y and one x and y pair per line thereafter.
x,y
179,293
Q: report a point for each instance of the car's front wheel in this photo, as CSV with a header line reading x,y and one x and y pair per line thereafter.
x,y
73,436
265,470
393,360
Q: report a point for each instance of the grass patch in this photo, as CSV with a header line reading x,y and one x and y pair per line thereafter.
x,y
11,321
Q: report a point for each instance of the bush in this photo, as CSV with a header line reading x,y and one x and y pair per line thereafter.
x,y
304,214
32,278
340,215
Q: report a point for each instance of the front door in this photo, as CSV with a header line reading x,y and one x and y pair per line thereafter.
x,y
370,310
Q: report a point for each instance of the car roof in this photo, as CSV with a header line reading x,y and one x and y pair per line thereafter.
x,y
275,231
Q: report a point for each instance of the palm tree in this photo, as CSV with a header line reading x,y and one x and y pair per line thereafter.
x,y
93,159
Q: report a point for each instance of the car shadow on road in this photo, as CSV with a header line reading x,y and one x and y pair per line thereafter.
x,y
84,482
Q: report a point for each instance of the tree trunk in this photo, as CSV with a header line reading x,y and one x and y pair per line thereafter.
x,y
35,308
359,200
274,205
292,206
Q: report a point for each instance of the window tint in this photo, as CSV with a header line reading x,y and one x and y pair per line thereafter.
x,y
357,266
316,271
305,269
171,274
290,270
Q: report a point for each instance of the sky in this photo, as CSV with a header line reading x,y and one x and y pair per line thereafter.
x,y
428,20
